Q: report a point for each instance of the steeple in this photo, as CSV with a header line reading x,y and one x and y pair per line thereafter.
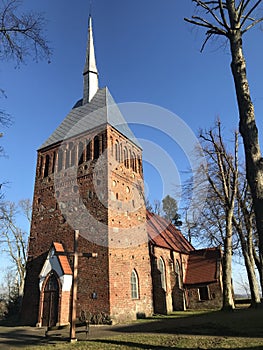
x,y
90,73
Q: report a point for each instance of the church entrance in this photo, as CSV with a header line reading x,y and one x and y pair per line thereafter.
x,y
50,303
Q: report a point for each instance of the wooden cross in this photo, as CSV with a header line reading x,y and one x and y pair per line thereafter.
x,y
73,307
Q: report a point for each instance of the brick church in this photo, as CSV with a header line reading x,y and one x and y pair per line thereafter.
x,y
89,177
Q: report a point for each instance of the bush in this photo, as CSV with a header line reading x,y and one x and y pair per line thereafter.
x,y
99,318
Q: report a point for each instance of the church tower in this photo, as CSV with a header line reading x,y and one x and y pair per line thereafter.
x,y
89,178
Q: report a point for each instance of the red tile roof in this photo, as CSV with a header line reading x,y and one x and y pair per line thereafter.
x,y
203,266
63,259
164,234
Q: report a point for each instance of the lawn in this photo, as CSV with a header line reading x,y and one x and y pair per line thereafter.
x,y
240,329
165,342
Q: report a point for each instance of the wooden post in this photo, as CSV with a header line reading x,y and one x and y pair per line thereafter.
x,y
73,304
74,289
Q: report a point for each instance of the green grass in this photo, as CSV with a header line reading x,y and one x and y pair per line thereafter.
x,y
241,329
158,342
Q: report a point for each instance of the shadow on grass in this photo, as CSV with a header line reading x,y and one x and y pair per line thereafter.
x,y
132,344
19,337
135,345
238,323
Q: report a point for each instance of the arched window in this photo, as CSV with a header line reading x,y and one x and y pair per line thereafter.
x,y
139,165
54,161
73,156
117,151
96,153
60,159
161,268
46,170
80,153
88,150
40,165
134,163
130,159
178,274
134,285
120,152
125,157
103,142
111,145
67,158
52,283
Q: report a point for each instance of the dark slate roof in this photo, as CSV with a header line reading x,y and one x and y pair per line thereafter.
x,y
101,110
164,234
203,266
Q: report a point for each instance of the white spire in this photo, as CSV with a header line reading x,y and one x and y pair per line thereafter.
x,y
90,73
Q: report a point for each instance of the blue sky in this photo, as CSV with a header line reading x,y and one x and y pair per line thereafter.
x,y
145,53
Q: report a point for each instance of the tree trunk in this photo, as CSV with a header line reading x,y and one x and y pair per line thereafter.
x,y
259,268
245,233
247,251
253,284
249,132
228,300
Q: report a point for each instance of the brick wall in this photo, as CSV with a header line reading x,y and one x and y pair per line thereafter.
x,y
83,184
128,239
214,297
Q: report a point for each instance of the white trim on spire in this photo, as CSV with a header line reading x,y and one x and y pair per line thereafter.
x,y
90,73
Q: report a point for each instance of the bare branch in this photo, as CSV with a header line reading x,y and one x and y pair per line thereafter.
x,y
204,23
221,8
249,12
210,10
21,35
252,25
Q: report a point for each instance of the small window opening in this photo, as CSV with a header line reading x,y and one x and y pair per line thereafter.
x,y
203,293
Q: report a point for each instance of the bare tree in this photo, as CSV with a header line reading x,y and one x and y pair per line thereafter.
x,y
228,197
148,205
244,223
21,33
222,176
231,19
13,238
21,36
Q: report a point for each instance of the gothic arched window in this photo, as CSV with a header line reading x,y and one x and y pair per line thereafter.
x,y
178,274
125,157
117,151
134,285
134,162
46,170
111,145
161,267
40,165
73,156
103,142
54,161
139,164
96,152
67,158
80,153
60,159
88,150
